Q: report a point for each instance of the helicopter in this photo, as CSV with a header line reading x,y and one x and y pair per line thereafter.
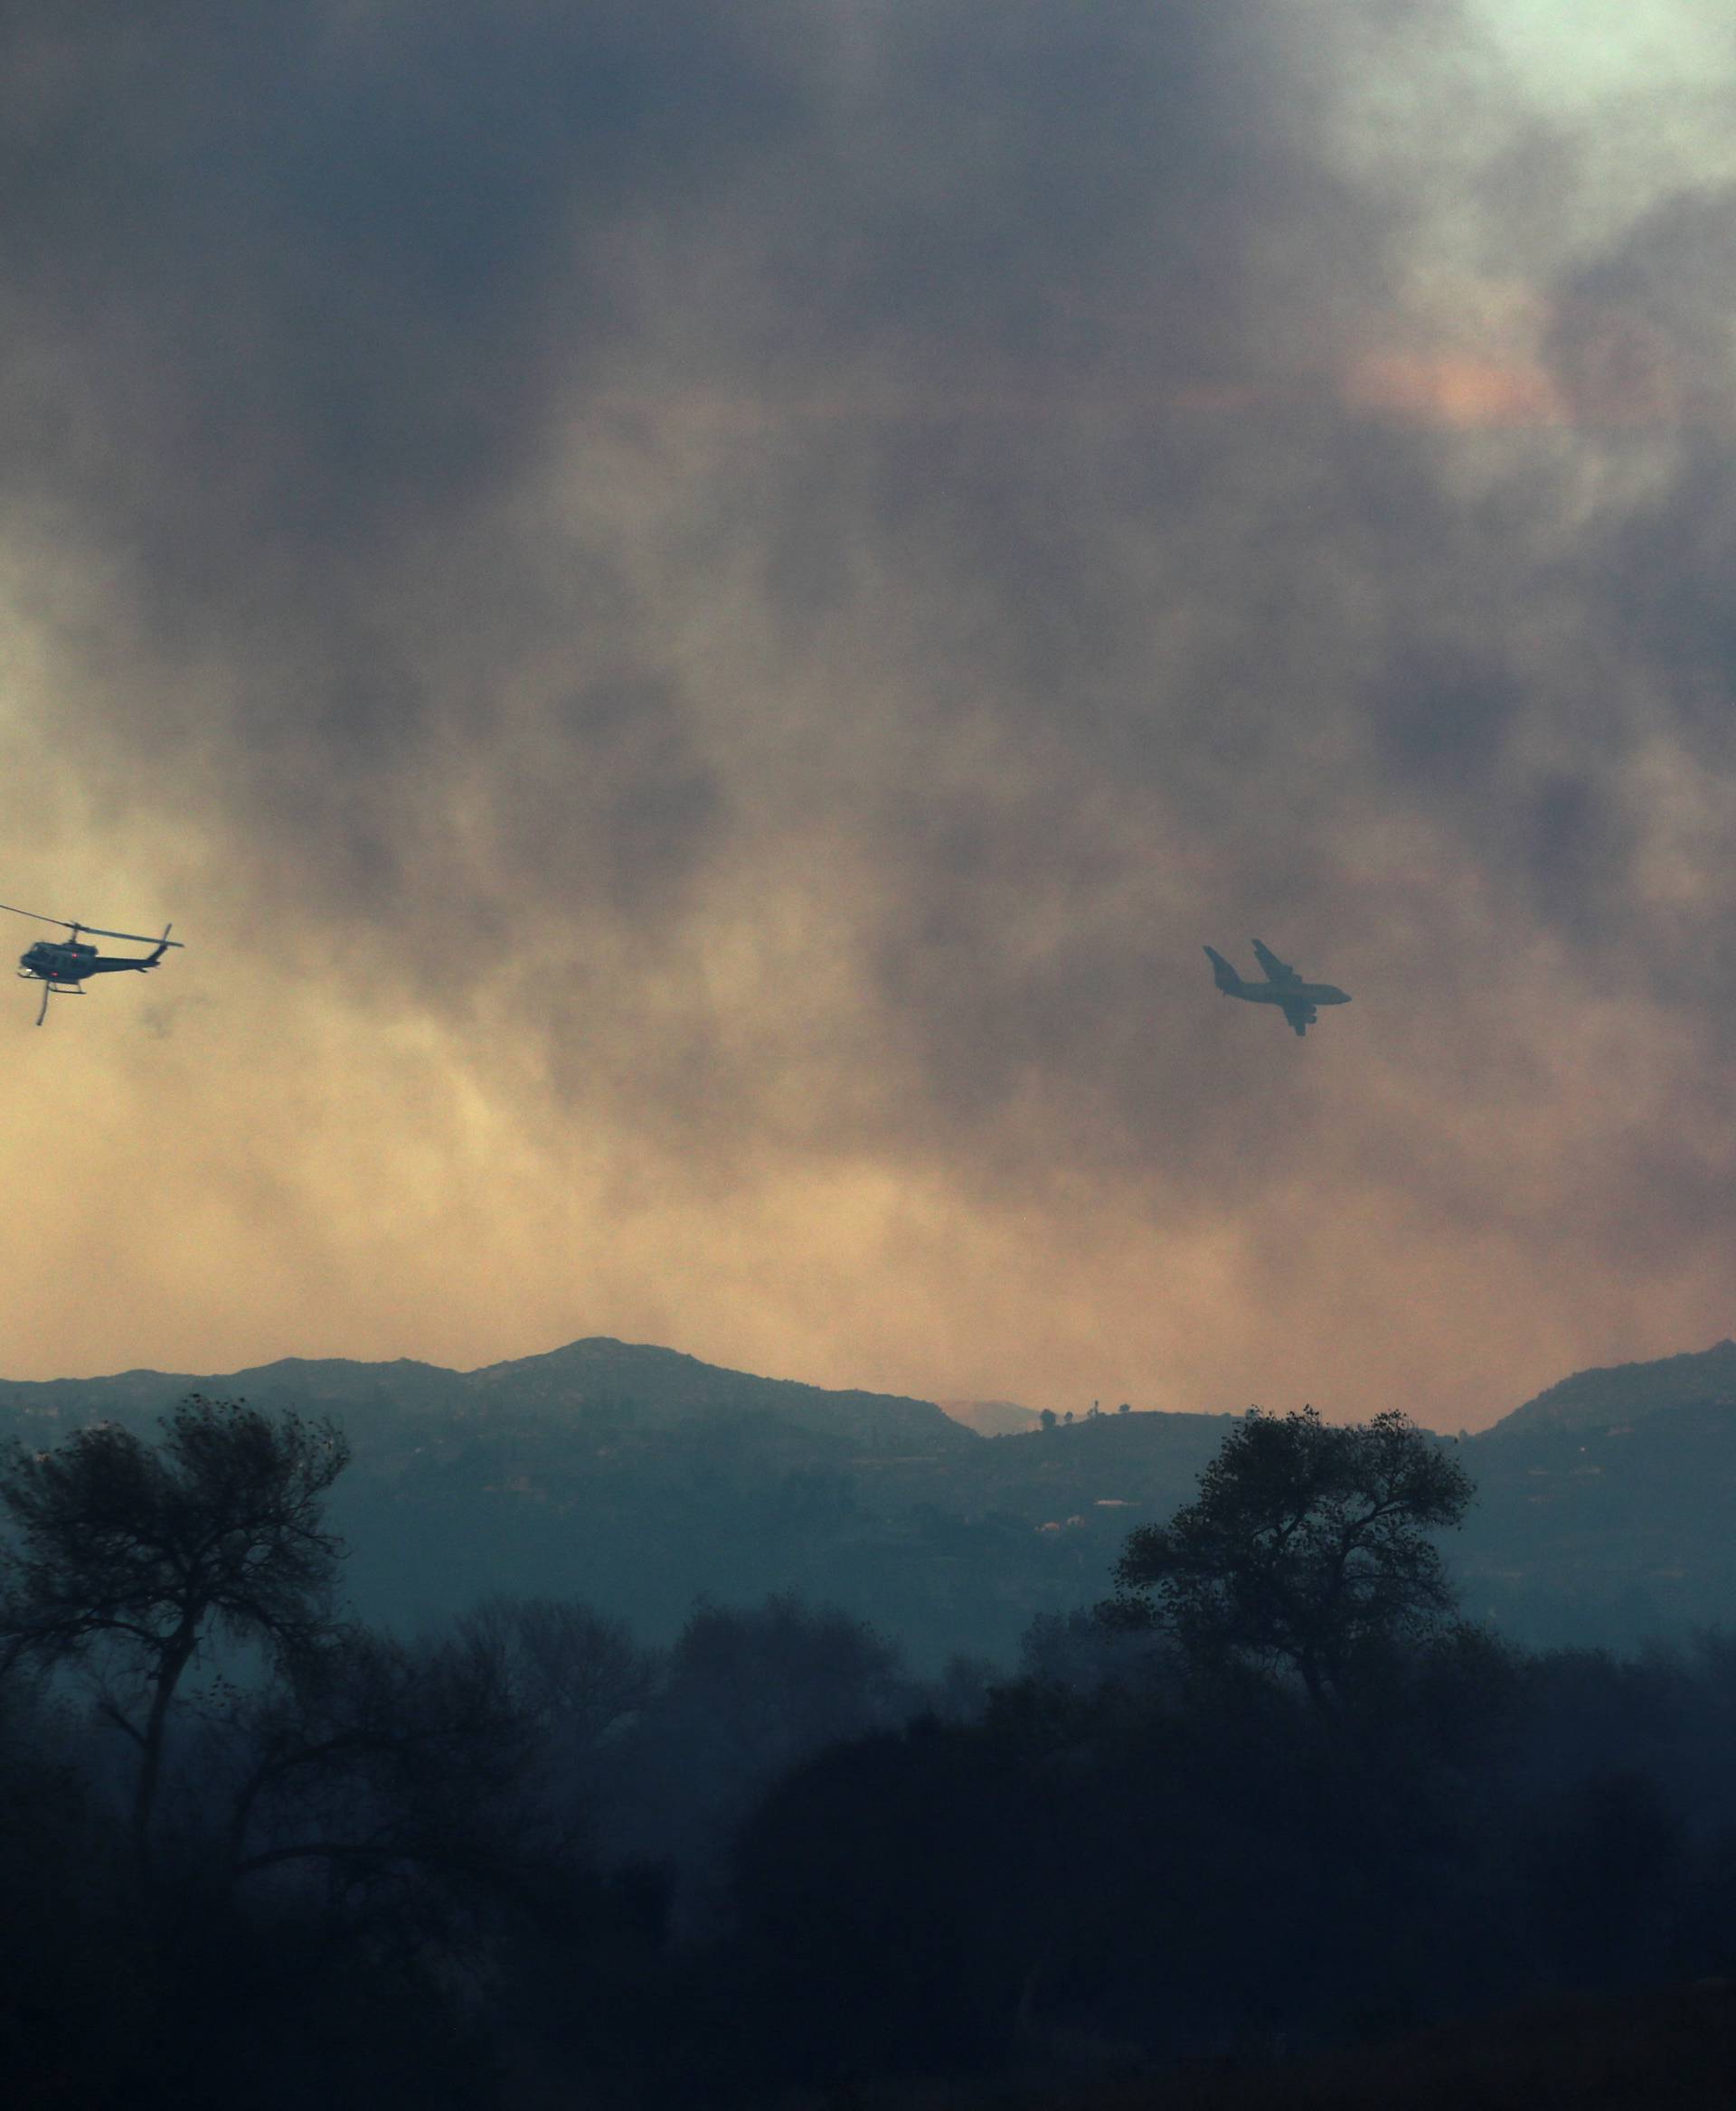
x,y
63,965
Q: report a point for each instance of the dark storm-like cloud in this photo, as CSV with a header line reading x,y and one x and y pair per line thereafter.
x,y
317,238
293,294
287,292
1639,344
1018,547
319,277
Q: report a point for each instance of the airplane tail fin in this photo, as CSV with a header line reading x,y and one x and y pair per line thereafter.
x,y
1223,974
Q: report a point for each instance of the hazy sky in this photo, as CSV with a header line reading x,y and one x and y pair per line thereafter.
x,y
697,610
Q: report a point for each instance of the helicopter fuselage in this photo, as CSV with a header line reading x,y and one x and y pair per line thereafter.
x,y
67,964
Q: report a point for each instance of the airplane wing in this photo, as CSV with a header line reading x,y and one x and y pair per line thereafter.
x,y
1276,969
1301,1016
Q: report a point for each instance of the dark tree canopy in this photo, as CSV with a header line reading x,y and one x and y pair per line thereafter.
x,y
219,1523
144,1551
1307,1546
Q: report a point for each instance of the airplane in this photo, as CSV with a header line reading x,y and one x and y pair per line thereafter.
x,y
61,965
1283,986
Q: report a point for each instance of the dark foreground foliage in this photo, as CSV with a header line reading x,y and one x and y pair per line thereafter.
x,y
527,1862
1674,2049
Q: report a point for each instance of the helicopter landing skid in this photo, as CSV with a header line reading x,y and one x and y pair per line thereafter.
x,y
51,988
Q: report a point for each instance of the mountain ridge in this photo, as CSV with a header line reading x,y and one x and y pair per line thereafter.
x,y
641,1381
639,1479
1609,1393
603,1369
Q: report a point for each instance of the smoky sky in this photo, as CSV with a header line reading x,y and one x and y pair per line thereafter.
x,y
738,588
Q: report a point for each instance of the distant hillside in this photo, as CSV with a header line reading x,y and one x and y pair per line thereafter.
x,y
992,1418
1604,1505
636,1479
622,1381
662,1387
1626,1392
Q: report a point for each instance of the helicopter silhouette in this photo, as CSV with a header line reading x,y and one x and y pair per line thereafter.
x,y
63,965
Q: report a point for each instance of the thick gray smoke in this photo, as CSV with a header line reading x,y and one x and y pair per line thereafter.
x,y
749,582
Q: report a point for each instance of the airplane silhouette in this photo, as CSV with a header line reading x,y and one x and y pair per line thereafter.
x,y
1283,986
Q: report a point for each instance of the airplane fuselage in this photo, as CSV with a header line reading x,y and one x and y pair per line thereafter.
x,y
1290,992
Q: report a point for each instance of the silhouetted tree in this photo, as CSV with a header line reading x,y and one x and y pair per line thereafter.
x,y
388,1763
576,1672
1080,1652
1306,1546
765,1685
860,1884
746,1694
578,1681
136,1555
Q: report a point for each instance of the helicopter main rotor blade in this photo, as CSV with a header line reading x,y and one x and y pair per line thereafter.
x,y
137,937
35,919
